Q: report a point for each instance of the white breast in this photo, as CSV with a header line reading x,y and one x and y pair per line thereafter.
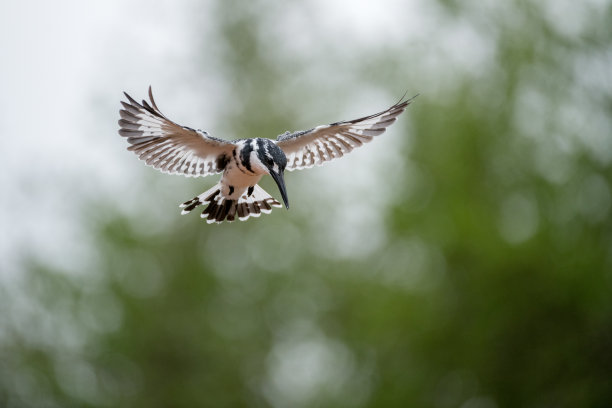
x,y
236,178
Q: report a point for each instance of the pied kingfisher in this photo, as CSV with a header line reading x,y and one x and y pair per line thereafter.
x,y
177,149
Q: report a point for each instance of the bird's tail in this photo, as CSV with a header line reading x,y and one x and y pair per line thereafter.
x,y
221,208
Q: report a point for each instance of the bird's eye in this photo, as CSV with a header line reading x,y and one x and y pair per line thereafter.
x,y
269,161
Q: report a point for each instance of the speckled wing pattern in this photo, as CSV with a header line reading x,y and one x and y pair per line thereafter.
x,y
167,146
317,146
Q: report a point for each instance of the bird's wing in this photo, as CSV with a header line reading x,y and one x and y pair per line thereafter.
x,y
319,145
170,147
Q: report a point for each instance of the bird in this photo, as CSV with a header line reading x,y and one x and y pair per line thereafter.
x,y
175,149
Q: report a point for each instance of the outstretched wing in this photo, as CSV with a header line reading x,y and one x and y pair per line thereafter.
x,y
167,146
319,145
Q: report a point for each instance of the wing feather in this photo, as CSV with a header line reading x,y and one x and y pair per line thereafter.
x,y
167,146
322,144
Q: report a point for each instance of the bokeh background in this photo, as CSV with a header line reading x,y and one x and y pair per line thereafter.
x,y
462,260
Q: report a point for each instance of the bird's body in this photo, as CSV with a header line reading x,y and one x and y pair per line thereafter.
x,y
237,178
238,192
177,149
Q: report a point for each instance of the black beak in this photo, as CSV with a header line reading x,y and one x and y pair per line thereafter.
x,y
280,182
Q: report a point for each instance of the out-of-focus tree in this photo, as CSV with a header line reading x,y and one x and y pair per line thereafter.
x,y
482,278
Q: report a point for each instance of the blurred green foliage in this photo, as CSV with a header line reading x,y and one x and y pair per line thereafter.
x,y
490,287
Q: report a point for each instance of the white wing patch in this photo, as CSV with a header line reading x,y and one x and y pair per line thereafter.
x,y
322,144
167,146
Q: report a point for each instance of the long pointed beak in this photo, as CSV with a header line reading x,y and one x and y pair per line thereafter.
x,y
280,182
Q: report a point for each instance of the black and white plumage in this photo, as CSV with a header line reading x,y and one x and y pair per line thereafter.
x,y
176,149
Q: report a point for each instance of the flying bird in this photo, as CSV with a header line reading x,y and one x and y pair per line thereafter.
x,y
177,149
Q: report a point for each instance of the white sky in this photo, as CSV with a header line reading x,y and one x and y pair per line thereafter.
x,y
63,63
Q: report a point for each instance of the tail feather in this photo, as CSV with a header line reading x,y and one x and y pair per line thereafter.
x,y
231,213
220,208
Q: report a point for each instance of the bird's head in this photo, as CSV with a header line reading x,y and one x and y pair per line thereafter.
x,y
273,161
